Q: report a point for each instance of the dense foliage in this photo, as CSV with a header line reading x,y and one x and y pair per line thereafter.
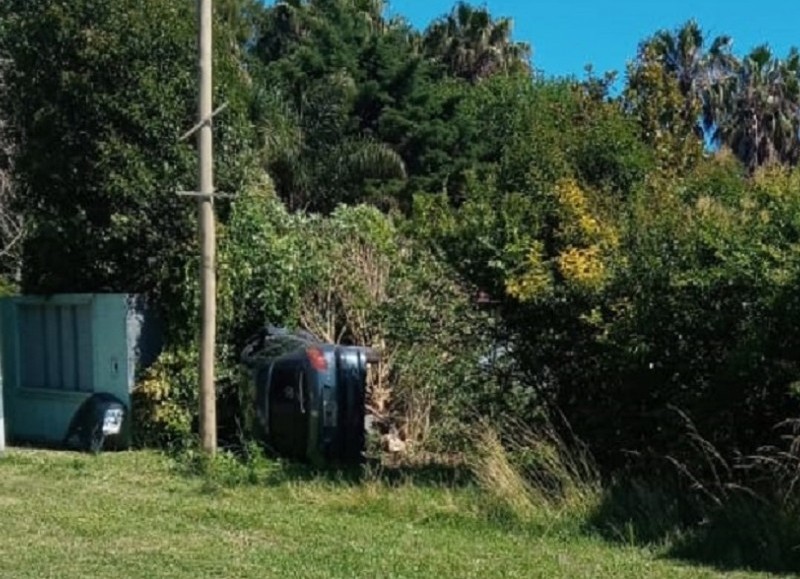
x,y
635,255
100,92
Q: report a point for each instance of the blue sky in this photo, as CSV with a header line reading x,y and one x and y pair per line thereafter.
x,y
567,34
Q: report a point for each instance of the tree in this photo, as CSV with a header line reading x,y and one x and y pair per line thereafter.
x,y
99,92
667,88
683,56
329,72
755,111
470,44
678,89
11,230
315,157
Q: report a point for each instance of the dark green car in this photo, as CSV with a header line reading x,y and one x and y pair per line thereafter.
x,y
309,396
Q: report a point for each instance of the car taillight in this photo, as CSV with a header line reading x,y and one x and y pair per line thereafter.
x,y
317,359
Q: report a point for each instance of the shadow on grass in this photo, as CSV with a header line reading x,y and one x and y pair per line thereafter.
x,y
737,532
423,474
251,464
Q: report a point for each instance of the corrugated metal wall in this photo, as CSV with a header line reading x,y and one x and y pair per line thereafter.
x,y
56,347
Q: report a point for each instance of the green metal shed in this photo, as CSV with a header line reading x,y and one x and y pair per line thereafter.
x,y
58,350
2,419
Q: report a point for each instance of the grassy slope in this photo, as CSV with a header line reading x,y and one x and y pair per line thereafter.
x,y
132,515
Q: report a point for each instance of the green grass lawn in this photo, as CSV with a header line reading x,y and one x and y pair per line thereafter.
x,y
137,514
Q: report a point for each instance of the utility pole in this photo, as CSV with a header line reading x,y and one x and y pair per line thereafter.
x,y
208,242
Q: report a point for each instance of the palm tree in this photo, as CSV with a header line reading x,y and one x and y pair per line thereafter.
x,y
667,87
313,161
756,110
683,56
471,45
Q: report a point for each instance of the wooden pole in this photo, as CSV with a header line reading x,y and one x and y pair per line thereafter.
x,y
208,282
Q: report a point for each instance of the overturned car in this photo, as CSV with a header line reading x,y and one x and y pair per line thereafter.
x,y
309,396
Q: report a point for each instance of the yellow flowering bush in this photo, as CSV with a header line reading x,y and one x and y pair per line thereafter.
x,y
535,279
579,225
583,267
585,244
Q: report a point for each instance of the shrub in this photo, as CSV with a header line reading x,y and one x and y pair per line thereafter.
x,y
350,278
377,288
165,400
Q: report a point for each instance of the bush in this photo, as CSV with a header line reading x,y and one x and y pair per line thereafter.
x,y
165,400
350,278
699,316
377,288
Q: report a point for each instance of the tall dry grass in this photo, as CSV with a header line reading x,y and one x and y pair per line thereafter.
x,y
531,472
